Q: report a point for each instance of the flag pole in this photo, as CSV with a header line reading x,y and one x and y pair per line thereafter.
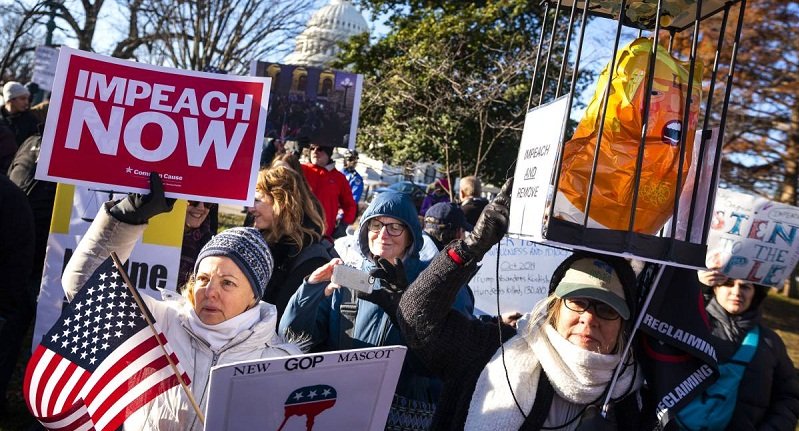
x,y
146,312
617,372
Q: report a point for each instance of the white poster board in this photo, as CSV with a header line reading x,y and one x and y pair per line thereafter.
x,y
45,61
524,272
342,390
753,238
543,130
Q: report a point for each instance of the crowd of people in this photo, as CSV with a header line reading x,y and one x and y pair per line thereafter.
x,y
264,290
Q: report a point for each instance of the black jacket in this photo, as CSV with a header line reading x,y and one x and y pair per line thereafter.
x,y
768,396
24,124
292,265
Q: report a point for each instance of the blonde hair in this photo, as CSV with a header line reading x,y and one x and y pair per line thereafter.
x,y
293,202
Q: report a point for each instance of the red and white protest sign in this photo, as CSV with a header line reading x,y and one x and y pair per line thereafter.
x,y
113,121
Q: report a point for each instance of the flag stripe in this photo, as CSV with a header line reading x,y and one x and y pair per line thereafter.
x,y
69,392
115,391
74,419
123,369
50,362
32,379
145,391
53,387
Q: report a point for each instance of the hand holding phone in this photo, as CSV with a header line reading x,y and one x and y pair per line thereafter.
x,y
347,276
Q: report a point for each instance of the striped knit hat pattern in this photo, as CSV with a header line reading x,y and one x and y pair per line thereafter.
x,y
246,247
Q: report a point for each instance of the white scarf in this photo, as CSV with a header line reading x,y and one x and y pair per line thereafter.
x,y
578,376
220,334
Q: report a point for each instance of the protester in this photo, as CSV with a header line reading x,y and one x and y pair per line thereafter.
x,y
196,233
437,191
472,202
218,320
17,301
768,389
352,175
16,114
389,230
445,222
549,372
330,187
291,221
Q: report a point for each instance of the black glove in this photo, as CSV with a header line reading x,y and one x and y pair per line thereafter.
x,y
394,284
491,226
138,208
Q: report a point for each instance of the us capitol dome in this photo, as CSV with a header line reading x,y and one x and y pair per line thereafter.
x,y
336,22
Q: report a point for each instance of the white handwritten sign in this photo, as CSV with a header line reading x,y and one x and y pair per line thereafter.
x,y
753,238
524,272
534,168
342,390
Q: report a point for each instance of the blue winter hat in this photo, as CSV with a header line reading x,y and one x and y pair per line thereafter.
x,y
246,247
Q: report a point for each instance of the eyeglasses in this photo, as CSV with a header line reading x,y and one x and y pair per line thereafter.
x,y
393,229
601,310
314,148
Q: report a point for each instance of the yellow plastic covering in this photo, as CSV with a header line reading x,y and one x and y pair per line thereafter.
x,y
613,185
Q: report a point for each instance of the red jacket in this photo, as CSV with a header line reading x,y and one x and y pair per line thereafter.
x,y
333,191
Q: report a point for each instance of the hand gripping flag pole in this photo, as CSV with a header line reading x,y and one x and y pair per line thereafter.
x,y
146,312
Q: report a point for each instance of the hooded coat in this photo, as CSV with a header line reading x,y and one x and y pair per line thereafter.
x,y
310,313
768,395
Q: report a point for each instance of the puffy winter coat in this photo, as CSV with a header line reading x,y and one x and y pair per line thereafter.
x,y
172,410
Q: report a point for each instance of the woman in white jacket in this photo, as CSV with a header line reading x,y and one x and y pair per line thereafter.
x,y
220,319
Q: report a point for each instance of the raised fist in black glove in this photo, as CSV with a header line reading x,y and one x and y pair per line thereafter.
x,y
491,226
138,208
394,283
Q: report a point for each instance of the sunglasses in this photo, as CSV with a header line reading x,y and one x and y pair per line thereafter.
x,y
601,310
314,148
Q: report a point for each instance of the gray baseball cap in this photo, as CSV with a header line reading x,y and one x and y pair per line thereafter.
x,y
594,279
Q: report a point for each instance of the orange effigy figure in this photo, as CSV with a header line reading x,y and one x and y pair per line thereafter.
x,y
621,136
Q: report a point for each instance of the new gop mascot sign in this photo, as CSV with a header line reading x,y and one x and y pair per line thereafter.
x,y
113,121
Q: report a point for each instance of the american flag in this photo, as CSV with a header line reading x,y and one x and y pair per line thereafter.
x,y
100,362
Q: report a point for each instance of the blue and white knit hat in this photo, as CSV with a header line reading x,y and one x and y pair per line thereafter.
x,y
248,249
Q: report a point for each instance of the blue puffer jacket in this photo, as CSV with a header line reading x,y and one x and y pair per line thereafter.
x,y
310,312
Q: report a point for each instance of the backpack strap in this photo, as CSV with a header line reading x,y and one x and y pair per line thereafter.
x,y
748,347
348,311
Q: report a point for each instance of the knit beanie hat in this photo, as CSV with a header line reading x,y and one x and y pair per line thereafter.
x,y
14,89
246,247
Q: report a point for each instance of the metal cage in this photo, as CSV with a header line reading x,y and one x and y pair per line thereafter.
x,y
657,20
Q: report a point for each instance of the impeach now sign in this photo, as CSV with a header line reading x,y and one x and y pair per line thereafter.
x,y
111,122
